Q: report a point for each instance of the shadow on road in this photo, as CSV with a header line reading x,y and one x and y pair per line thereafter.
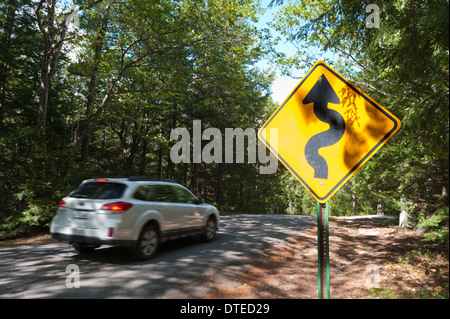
x,y
183,268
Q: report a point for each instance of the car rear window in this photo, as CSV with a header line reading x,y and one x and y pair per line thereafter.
x,y
99,190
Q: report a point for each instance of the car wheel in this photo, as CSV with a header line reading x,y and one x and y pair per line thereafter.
x,y
210,232
147,244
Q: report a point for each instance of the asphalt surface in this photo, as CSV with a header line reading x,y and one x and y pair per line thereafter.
x,y
183,268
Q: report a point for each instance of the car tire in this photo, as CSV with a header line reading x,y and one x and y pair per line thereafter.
x,y
147,244
210,232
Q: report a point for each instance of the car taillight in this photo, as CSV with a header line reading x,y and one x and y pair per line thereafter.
x,y
117,206
62,203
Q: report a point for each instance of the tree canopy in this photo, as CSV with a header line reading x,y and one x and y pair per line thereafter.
x,y
403,64
95,87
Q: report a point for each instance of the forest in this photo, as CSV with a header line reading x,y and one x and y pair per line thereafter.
x,y
96,87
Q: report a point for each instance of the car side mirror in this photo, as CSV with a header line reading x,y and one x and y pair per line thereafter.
x,y
199,201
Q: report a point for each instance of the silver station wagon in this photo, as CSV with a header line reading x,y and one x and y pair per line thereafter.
x,y
137,212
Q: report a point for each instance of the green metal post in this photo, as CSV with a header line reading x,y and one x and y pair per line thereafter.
x,y
323,251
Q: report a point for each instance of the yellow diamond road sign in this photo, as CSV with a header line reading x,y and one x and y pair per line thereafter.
x,y
326,130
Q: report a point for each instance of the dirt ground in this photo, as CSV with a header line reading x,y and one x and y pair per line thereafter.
x,y
368,259
38,239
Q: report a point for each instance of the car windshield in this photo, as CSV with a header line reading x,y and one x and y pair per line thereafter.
x,y
99,190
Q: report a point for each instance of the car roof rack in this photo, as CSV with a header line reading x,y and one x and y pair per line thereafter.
x,y
151,178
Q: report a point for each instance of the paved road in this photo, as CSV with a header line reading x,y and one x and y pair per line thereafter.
x,y
183,268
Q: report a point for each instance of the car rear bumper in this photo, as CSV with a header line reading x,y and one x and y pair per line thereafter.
x,y
92,240
87,236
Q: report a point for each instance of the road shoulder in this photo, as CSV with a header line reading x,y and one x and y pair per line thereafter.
x,y
369,258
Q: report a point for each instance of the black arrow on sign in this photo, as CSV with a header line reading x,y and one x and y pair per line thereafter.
x,y
321,94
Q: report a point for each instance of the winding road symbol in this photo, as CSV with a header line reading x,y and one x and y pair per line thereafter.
x,y
326,130
321,94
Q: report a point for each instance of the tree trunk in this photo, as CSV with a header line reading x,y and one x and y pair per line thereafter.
x,y
93,121
170,166
241,193
353,203
219,184
53,36
43,92
404,215
4,66
160,151
185,171
444,193
143,160
92,90
380,208
193,182
131,146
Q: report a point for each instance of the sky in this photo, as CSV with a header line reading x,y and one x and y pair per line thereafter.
x,y
283,85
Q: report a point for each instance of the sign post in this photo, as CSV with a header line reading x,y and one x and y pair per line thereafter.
x,y
327,129
323,251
